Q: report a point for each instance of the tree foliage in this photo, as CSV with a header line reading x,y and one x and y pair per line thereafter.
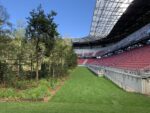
x,y
41,31
34,52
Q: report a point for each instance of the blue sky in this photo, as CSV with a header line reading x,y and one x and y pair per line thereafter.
x,y
74,16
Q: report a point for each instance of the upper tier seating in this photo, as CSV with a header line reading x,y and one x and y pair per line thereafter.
x,y
99,53
90,54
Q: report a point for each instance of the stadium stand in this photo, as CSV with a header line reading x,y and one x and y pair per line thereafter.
x,y
99,53
122,54
82,62
135,59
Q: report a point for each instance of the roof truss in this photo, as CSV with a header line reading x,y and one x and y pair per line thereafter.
x,y
106,15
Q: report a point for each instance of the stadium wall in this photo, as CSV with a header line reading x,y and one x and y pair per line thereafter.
x,y
128,81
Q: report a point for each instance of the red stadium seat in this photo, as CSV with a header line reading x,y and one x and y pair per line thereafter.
x,y
134,59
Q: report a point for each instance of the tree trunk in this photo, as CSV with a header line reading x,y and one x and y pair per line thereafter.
x,y
53,72
31,66
37,69
49,69
18,68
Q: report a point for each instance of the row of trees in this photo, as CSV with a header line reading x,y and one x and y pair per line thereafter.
x,y
36,51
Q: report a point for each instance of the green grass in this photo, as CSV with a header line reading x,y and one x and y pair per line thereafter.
x,y
85,93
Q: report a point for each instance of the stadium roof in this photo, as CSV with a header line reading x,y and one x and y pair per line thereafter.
x,y
106,15
136,16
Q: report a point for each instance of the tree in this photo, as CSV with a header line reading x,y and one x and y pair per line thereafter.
x,y
41,30
62,58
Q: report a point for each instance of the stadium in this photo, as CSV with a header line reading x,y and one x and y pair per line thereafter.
x,y
118,44
74,56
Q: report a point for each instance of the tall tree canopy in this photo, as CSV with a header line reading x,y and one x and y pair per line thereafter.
x,y
41,30
33,52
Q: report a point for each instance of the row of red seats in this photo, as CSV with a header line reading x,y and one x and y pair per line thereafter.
x,y
135,59
81,61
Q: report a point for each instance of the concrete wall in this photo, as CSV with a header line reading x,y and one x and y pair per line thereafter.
x,y
96,70
125,81
128,81
146,86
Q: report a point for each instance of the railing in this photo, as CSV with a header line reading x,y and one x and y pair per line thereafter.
x,y
133,73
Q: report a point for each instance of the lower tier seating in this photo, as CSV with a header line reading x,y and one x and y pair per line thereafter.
x,y
81,61
134,59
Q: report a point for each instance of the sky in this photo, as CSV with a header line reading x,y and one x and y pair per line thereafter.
x,y
73,16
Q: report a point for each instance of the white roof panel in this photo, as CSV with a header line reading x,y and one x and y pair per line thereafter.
x,y
106,15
